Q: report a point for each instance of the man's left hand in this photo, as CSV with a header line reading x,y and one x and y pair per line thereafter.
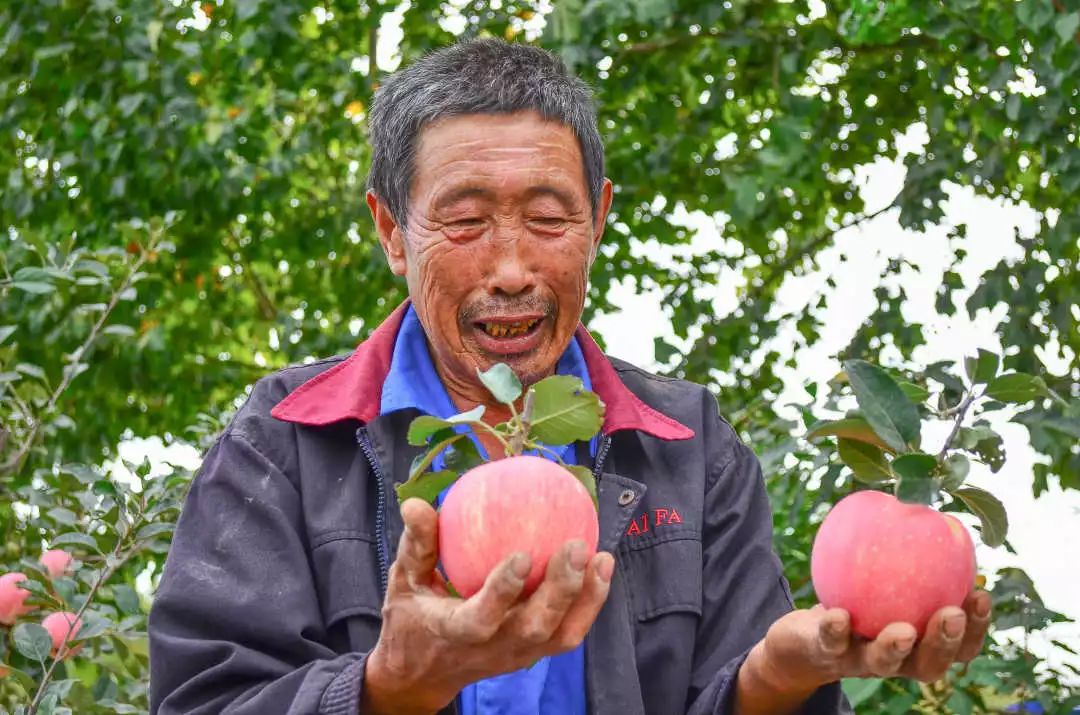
x,y
806,649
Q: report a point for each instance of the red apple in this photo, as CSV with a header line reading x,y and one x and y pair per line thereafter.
x,y
62,627
12,598
885,561
526,504
56,562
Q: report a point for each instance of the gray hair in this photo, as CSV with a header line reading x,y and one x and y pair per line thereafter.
x,y
474,77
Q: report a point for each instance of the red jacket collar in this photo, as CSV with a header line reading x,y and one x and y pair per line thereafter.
x,y
352,389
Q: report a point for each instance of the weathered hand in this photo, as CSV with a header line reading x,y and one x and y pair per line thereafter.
x,y
432,645
808,648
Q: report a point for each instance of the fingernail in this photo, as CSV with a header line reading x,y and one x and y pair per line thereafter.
x,y
519,565
605,570
982,608
904,645
953,627
837,628
578,556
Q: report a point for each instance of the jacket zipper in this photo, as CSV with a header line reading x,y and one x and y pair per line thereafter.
x,y
601,455
382,544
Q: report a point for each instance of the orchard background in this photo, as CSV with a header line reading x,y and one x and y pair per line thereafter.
x,y
797,183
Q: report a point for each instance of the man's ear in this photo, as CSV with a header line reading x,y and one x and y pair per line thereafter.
x,y
391,237
600,220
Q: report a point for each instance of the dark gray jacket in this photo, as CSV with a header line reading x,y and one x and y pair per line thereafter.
x,y
271,594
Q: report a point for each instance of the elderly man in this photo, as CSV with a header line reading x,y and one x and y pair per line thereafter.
x,y
280,595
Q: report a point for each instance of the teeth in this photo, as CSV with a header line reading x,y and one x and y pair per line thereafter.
x,y
512,330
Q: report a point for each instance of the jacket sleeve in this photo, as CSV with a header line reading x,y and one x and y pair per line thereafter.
x,y
743,586
236,626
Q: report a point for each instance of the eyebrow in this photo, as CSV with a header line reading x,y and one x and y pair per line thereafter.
x,y
451,197
463,192
564,197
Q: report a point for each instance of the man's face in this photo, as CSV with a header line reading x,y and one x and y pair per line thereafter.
x,y
498,243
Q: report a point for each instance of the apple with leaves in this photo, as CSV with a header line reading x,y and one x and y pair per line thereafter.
x,y
895,559
518,502
884,561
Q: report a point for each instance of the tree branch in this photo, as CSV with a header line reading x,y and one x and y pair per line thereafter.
x,y
781,269
119,558
960,412
16,462
266,306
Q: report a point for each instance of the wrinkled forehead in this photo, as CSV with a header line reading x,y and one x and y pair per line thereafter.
x,y
491,151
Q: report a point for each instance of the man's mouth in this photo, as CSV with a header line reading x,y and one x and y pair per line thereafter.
x,y
509,330
512,335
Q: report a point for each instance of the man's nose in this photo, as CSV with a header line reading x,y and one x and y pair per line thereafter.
x,y
511,272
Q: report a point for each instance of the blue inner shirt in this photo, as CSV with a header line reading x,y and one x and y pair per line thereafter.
x,y
555,684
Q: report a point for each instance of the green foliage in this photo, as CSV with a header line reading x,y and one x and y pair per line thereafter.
x,y
557,410
181,192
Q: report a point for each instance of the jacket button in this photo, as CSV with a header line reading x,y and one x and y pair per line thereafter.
x,y
626,497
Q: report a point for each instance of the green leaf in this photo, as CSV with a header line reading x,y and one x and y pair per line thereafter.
x,y
915,393
156,529
63,516
564,411
93,625
424,426
587,479
991,512
1035,13
501,382
866,461
124,331
462,456
884,404
1066,26
35,587
859,690
1017,387
36,287
424,459
5,332
32,641
983,442
916,472
956,468
23,680
426,485
31,369
73,538
126,599
855,428
982,369
66,588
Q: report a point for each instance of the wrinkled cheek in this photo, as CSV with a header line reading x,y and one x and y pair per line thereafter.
x,y
439,284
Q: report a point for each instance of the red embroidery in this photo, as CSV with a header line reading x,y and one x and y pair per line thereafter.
x,y
659,517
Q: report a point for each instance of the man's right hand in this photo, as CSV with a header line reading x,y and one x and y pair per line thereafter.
x,y
432,645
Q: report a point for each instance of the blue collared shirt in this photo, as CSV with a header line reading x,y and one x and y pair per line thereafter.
x,y
555,684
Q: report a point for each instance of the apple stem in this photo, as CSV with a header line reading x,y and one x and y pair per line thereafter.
x,y
520,424
527,411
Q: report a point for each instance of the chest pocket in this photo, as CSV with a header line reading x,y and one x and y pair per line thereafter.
x,y
663,575
346,568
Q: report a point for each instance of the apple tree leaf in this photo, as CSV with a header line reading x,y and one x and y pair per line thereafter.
x,y
563,411
888,410
991,513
